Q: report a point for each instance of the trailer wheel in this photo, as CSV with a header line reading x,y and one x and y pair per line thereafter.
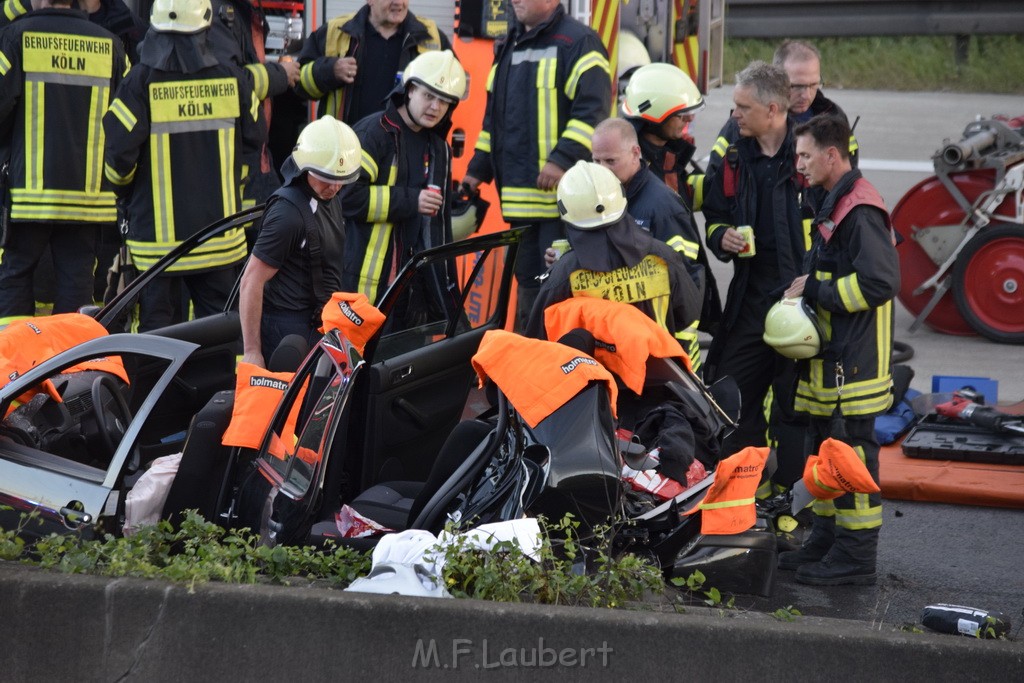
x,y
988,283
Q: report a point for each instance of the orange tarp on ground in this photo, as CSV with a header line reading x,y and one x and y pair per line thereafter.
x,y
947,481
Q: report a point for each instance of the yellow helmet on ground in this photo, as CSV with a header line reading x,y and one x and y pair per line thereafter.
x,y
328,148
439,72
792,329
657,91
590,196
181,16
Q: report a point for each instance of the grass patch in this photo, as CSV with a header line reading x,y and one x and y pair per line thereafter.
x,y
995,64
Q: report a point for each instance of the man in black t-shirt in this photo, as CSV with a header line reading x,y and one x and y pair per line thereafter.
x,y
295,265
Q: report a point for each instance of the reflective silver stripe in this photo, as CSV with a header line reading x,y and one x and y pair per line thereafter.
x,y
534,55
67,79
169,127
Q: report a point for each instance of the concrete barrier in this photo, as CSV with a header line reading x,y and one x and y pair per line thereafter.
x,y
78,628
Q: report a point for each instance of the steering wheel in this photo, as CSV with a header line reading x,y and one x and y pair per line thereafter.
x,y
110,431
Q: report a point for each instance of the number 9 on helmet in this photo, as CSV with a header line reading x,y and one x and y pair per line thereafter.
x,y
328,148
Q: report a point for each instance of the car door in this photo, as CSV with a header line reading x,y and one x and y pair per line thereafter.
x,y
419,378
48,461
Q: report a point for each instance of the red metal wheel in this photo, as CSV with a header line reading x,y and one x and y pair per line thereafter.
x,y
929,203
988,283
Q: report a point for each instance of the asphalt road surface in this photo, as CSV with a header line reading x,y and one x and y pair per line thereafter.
x,y
928,552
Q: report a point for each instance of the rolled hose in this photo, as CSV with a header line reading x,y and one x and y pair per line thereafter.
x,y
901,352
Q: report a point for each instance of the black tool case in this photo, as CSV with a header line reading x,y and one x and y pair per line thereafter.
x,y
939,438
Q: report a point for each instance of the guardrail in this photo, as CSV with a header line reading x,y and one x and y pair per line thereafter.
x,y
832,18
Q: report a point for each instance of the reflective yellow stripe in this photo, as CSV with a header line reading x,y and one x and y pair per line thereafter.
x,y
854,145
850,293
808,230
870,518
307,82
727,504
824,508
696,184
5,64
260,80
883,334
547,108
254,107
528,202
817,481
490,77
83,214
691,344
123,114
579,131
224,250
91,199
35,105
94,139
226,144
684,246
14,9
379,203
513,211
715,226
373,261
369,164
720,146
160,172
583,64
483,142
116,178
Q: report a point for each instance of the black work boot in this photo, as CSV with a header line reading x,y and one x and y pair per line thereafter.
x,y
817,544
850,561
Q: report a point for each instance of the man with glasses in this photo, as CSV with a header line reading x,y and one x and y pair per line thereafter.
x,y
802,63
757,189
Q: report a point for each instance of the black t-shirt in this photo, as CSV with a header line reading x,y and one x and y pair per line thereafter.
x,y
376,72
282,245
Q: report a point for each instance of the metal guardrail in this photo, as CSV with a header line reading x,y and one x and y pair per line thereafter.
x,y
831,18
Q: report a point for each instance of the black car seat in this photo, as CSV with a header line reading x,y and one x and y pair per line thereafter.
x,y
401,505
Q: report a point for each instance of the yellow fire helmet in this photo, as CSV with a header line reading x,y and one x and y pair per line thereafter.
x,y
792,329
328,148
439,72
590,196
659,90
181,16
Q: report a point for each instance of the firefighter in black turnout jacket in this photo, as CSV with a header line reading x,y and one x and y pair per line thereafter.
x,y
854,275
399,205
57,74
613,258
296,262
176,134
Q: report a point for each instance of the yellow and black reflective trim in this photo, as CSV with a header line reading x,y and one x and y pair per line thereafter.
x,y
579,131
854,145
720,147
547,108
116,178
483,141
691,344
123,114
850,293
727,504
696,185
225,250
883,337
35,104
824,508
369,164
378,204
14,9
583,64
490,77
528,202
260,80
94,140
712,227
866,513
684,246
307,81
228,191
808,229
5,64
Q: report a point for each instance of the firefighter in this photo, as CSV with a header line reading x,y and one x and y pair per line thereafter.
x,y
296,262
613,258
176,133
549,86
854,275
350,63
58,71
400,205
652,205
113,15
662,101
758,189
802,63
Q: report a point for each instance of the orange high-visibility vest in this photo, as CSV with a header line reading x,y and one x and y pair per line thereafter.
x,y
26,343
354,316
728,506
625,336
538,377
257,394
835,471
